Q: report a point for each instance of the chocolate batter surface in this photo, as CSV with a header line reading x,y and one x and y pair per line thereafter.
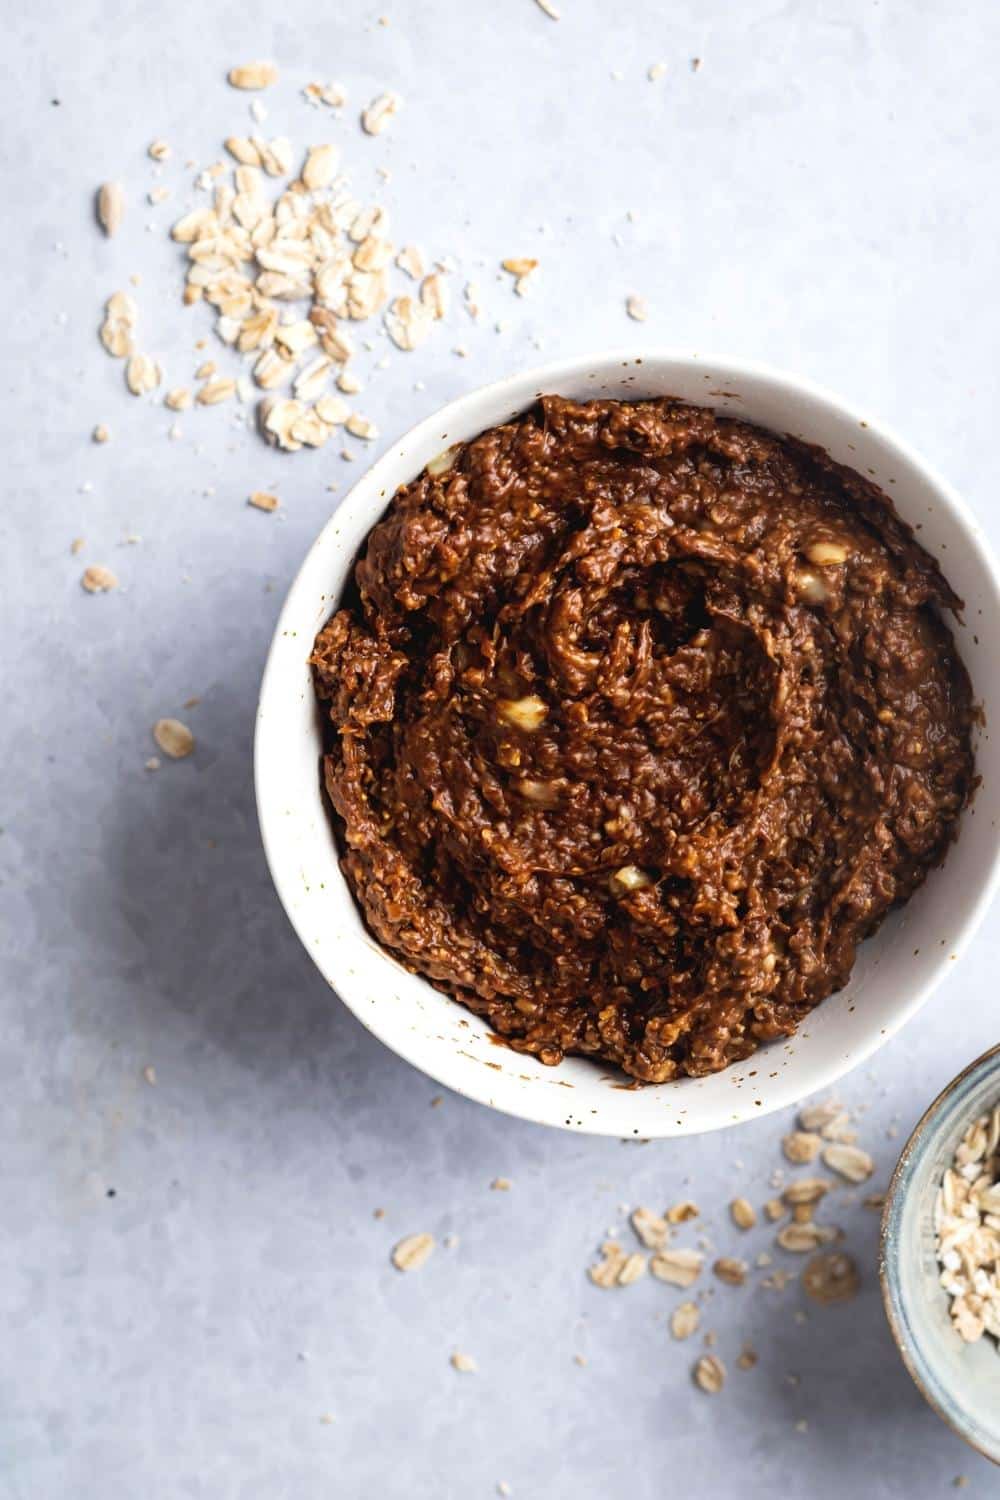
x,y
638,720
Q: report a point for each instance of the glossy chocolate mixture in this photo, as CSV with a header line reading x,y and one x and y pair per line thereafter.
x,y
639,720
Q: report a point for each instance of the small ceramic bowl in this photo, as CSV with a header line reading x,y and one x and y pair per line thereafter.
x,y
896,970
961,1381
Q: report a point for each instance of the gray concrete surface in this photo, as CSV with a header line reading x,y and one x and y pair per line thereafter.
x,y
191,1273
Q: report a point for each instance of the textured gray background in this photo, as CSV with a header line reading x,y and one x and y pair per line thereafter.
x,y
821,195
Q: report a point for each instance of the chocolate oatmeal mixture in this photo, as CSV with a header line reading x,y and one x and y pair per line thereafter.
x,y
639,719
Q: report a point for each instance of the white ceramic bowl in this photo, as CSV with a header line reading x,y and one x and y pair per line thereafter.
x,y
896,970
961,1381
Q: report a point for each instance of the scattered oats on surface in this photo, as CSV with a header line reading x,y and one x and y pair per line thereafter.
x,y
805,1191
380,112
817,1116
874,1200
501,1184
742,1213
411,261
655,71
174,738
605,1272
254,75
849,1162
684,1320
110,207
149,1073
651,1230
120,318
747,1358
153,763
678,1267
76,545
361,427
637,308
214,391
98,580
799,1238
831,1277
464,1363
682,1212
261,500
774,1209
101,434
159,150
157,195
730,1270
434,294
633,1267
349,383
320,167
550,9
333,411
710,1374
408,322
801,1146
412,1252
142,374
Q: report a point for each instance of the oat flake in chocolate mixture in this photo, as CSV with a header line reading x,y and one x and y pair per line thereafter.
x,y
639,720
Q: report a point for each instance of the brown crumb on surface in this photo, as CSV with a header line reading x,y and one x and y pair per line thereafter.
x,y
174,738
262,500
747,1357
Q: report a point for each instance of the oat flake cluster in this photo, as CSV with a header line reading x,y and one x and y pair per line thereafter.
x,y
289,278
967,1224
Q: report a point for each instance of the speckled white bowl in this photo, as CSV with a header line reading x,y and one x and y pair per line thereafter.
x,y
961,1381
896,970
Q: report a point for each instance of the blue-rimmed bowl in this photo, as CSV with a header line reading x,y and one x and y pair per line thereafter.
x,y
961,1381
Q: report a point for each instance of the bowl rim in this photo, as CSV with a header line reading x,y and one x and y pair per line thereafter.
x,y
920,1371
449,1070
